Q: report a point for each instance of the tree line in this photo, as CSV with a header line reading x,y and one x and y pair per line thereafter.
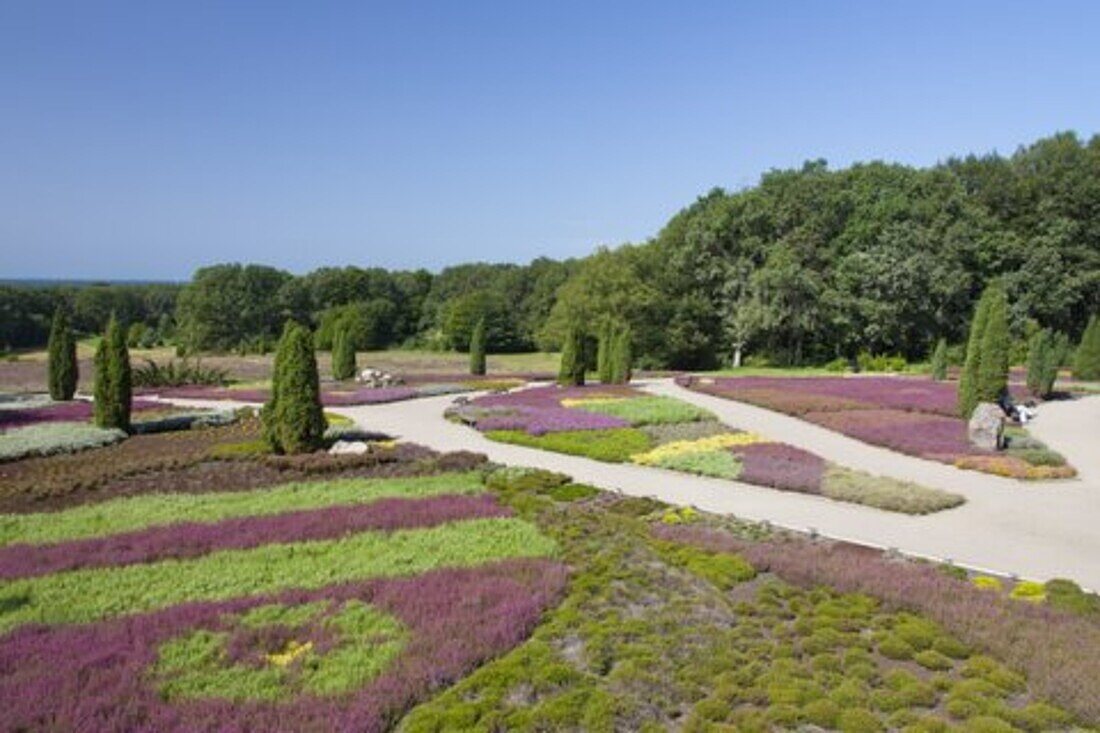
x,y
811,265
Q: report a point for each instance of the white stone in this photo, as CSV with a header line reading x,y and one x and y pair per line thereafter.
x,y
987,426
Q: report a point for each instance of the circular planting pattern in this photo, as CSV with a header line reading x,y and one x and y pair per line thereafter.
x,y
279,651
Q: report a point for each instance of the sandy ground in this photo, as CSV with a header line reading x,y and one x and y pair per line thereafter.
x,y
1028,529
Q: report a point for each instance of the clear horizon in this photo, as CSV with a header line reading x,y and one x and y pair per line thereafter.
x,y
142,142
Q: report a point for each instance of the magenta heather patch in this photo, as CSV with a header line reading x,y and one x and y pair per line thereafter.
x,y
781,466
195,539
539,410
96,677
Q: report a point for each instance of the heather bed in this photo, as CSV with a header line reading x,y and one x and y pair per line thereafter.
x,y
620,424
915,416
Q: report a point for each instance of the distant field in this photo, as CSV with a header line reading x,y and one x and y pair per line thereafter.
x,y
27,372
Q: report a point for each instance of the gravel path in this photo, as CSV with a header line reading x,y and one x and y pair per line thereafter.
x,y
1034,530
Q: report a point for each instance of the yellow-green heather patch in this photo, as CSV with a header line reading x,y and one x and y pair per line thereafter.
x,y
129,514
88,595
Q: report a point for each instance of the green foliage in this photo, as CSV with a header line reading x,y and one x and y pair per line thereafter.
x,y
622,357
880,362
615,445
294,421
722,569
717,463
1042,363
648,410
1068,596
939,361
1086,361
178,373
86,595
133,513
985,372
370,324
883,492
603,354
226,305
63,370
478,341
993,365
46,439
113,388
343,353
571,371
364,642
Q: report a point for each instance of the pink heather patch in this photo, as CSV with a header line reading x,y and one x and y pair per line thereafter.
x,y
95,677
193,539
539,410
908,432
781,466
75,411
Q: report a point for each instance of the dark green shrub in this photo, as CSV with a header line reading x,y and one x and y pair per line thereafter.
x,y
293,419
477,349
571,372
113,388
178,373
1068,596
939,361
1086,362
343,353
1042,363
63,370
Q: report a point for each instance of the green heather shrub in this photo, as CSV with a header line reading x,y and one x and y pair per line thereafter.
x,y
837,365
859,720
614,445
1086,361
63,370
46,439
477,349
1068,596
987,582
343,353
571,371
293,419
894,647
933,660
1029,590
519,479
649,410
883,492
722,569
113,388
571,492
1042,364
716,463
880,363
939,361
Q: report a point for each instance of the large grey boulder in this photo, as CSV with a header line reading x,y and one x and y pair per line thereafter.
x,y
986,429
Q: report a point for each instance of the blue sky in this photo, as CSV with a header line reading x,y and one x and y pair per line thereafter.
x,y
144,139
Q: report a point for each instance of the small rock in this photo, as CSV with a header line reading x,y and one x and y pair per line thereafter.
x,y
987,427
348,447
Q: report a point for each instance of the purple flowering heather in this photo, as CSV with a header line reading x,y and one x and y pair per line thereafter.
x,y
781,466
539,411
96,677
193,539
926,435
75,411
332,398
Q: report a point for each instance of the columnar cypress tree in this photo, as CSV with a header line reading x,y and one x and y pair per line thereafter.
x,y
1086,362
477,349
294,421
571,371
622,357
603,353
968,380
63,369
939,361
993,367
343,352
113,388
1042,363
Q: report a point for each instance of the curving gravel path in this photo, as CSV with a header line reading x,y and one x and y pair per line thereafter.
x,y
1035,530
